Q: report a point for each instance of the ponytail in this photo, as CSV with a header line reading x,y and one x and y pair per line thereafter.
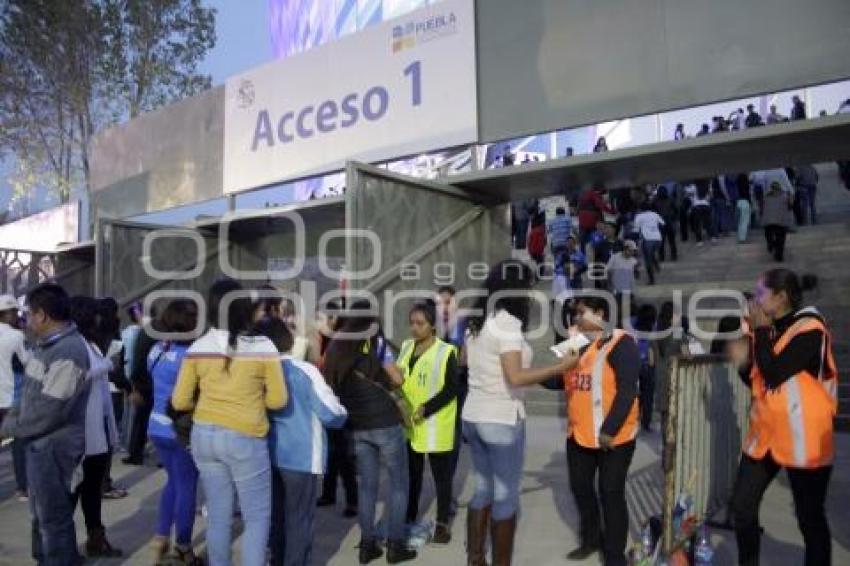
x,y
781,279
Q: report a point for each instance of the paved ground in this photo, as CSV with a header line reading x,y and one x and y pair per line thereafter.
x,y
547,528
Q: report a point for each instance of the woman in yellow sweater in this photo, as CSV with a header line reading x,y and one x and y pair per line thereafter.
x,y
231,378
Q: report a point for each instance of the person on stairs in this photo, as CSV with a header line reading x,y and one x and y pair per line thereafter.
x,y
776,219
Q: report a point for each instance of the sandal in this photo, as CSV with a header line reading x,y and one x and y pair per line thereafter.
x,y
185,555
115,493
159,549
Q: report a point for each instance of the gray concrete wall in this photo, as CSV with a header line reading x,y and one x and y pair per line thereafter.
x,y
162,159
550,64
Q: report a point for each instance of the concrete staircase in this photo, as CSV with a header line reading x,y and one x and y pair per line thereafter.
x,y
822,249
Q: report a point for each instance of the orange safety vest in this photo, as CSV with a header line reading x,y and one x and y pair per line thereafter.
x,y
590,389
794,422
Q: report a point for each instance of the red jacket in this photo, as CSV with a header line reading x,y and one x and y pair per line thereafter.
x,y
591,206
537,240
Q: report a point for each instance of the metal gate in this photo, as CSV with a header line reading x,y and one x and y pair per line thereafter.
x,y
408,236
134,259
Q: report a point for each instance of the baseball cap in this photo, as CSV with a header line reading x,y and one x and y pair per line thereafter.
x,y
630,244
8,302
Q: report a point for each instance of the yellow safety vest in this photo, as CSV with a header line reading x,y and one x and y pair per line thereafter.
x,y
437,432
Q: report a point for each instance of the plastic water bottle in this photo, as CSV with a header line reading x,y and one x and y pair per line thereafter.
x,y
646,542
680,511
703,553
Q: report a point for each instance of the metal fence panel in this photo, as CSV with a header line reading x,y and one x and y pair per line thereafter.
x,y
708,419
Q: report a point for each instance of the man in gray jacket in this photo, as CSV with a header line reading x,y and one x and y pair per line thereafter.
x,y
51,418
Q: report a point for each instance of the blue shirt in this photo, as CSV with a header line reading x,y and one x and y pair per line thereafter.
x,y
579,261
164,362
297,438
456,335
559,230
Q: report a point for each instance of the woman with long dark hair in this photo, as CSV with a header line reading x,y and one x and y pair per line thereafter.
x,y
791,370
340,460
361,370
499,361
230,378
177,501
101,431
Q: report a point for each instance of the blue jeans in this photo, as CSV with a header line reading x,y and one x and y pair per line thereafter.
x,y
744,215
376,448
719,217
177,502
521,234
227,459
50,471
293,511
498,451
650,257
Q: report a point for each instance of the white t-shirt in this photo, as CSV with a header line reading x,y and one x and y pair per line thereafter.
x,y
11,342
491,398
767,177
621,272
648,223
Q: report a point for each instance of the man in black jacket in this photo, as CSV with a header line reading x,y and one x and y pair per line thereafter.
x,y
142,398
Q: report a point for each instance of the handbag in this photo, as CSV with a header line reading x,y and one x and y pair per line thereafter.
x,y
403,407
181,421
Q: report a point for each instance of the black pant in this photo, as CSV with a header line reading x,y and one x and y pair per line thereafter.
x,y
647,394
668,236
90,491
701,221
613,466
809,490
684,217
775,236
442,468
340,463
139,432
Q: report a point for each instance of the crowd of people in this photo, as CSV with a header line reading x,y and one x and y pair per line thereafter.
x,y
607,238
240,405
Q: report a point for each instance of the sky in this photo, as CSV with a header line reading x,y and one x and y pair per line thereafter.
x,y
242,42
242,38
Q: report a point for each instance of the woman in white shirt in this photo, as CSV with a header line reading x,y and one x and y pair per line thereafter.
x,y
499,360
648,224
